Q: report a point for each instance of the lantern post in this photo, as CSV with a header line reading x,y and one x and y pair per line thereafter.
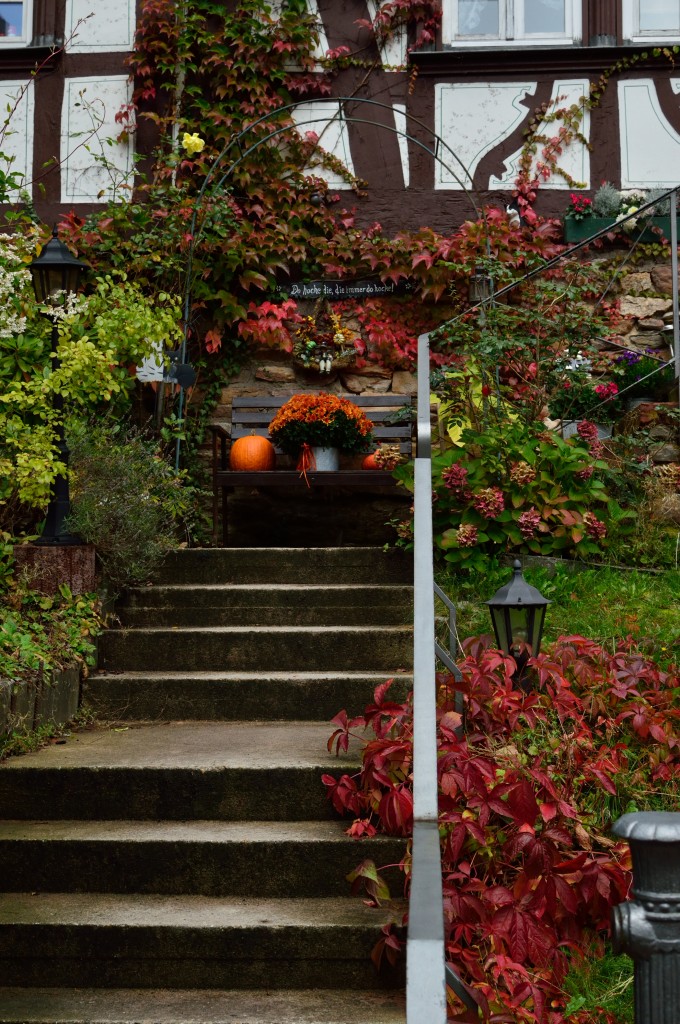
x,y
57,274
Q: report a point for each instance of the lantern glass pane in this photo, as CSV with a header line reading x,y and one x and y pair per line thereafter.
x,y
501,627
39,283
536,631
519,624
57,280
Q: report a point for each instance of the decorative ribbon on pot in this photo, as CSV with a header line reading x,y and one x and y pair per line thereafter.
x,y
306,461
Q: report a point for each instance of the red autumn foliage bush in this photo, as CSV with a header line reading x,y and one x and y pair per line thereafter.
x,y
529,788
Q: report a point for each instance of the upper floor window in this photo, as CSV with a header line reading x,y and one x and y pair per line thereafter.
x,y
489,22
649,19
15,23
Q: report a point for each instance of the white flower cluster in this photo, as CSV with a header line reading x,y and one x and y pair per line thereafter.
x,y
11,283
63,306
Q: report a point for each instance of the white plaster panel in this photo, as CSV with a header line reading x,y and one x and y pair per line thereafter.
x,y
94,165
400,123
650,146
16,139
327,121
472,119
99,25
575,159
393,50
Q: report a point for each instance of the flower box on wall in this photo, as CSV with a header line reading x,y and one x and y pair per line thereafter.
x,y
579,230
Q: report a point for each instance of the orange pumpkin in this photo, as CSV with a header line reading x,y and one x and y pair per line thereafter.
x,y
369,462
252,453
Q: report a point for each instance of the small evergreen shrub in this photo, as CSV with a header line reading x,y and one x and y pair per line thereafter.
x,y
127,500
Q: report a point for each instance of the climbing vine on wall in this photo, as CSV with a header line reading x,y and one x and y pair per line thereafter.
x,y
542,150
206,71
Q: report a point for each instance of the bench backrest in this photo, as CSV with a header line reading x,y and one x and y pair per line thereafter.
x,y
253,415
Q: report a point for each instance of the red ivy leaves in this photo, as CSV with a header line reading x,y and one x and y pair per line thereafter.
x,y
527,868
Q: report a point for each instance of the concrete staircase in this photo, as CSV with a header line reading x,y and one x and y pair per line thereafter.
x,y
182,865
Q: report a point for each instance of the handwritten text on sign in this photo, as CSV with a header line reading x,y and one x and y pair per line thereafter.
x,y
365,288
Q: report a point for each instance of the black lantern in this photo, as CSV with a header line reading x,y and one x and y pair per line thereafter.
x,y
518,613
56,273
480,288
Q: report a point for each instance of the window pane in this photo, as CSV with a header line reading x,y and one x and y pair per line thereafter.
x,y
544,17
11,19
659,15
478,18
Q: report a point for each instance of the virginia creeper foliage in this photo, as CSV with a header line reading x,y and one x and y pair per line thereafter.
x,y
530,783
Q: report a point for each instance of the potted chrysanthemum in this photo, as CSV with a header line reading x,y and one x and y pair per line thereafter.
x,y
316,427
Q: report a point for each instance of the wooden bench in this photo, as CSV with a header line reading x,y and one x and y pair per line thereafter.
x,y
392,420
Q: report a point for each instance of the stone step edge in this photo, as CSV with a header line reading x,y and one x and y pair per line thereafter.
x,y
314,587
199,1006
336,549
132,911
265,675
261,630
172,831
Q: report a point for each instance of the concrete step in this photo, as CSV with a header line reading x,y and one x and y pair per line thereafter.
x,y
275,605
254,649
350,565
207,858
256,595
132,1006
137,941
235,696
227,771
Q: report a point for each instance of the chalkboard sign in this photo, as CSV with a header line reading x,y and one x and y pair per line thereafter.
x,y
364,288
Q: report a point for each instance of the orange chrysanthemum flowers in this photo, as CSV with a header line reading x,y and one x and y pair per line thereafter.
x,y
320,420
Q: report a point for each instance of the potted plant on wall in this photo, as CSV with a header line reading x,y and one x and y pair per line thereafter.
x,y
315,428
581,398
643,377
610,206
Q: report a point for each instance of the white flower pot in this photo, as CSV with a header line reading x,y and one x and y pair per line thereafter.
x,y
326,459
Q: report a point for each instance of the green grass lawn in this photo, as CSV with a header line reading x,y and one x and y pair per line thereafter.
x,y
602,604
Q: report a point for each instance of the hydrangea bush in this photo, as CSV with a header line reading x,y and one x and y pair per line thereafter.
x,y
517,487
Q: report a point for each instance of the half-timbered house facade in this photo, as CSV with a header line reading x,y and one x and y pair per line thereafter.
x,y
469,96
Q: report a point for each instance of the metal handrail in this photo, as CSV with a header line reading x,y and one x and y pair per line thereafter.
x,y
425,965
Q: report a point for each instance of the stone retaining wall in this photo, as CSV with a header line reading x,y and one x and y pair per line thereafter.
x,y
51,698
269,373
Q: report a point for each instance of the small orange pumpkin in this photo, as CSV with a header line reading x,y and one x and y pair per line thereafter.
x,y
252,453
369,462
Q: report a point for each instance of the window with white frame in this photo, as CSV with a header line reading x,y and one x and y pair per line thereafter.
x,y
651,19
16,27
494,22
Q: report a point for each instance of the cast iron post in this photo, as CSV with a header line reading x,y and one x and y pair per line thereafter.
x,y
647,927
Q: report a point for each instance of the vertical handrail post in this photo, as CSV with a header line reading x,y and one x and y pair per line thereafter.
x,y
647,927
674,278
675,287
425,966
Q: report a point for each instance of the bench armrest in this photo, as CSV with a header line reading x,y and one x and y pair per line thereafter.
x,y
220,437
